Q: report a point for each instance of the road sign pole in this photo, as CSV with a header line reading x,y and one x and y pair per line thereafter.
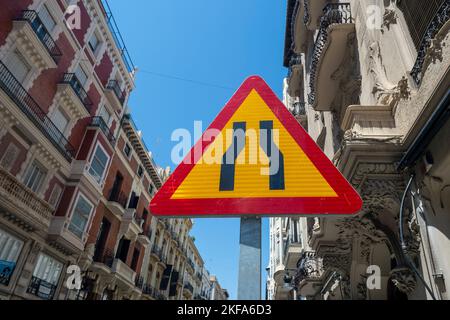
x,y
249,283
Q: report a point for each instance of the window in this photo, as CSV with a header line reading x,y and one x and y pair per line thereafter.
x,y
151,189
55,195
98,164
80,217
10,248
140,172
81,75
60,120
19,66
127,150
35,176
105,115
94,42
10,156
45,277
47,18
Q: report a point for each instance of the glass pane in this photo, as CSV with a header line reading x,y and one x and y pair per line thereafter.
x,y
47,19
105,115
93,42
60,120
21,67
80,217
81,75
47,269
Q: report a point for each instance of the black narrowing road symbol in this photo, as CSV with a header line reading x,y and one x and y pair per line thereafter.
x,y
276,159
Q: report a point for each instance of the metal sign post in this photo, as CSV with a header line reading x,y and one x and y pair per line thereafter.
x,y
249,285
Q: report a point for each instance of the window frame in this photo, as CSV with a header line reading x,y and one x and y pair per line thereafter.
x,y
131,150
72,213
98,44
28,175
140,171
46,8
64,115
102,178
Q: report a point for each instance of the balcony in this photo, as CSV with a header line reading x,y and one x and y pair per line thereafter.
x,y
131,226
117,203
60,235
98,122
292,252
14,90
123,273
157,252
41,289
104,261
313,10
72,90
115,94
33,33
188,287
436,25
23,203
152,293
299,34
139,282
295,76
332,45
191,263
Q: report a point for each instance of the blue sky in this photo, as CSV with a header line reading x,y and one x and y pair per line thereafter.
x,y
214,45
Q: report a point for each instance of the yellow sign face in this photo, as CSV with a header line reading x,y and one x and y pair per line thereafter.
x,y
301,178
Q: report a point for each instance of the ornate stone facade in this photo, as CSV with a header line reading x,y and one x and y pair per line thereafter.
x,y
389,90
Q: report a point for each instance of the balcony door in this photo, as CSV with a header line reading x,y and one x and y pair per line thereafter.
x,y
102,236
122,249
116,187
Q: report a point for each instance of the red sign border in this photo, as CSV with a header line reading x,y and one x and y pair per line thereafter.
x,y
348,201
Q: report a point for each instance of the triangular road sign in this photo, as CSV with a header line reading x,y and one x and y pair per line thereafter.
x,y
255,159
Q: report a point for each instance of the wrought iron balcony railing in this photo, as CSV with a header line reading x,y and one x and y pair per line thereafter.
x,y
295,60
17,93
42,33
188,286
333,13
306,17
72,80
158,252
441,17
115,87
41,288
101,124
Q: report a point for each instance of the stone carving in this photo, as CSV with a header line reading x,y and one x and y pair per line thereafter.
x,y
389,17
404,279
361,288
309,267
367,168
402,89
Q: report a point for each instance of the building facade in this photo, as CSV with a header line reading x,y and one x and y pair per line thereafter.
x,y
369,80
76,177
